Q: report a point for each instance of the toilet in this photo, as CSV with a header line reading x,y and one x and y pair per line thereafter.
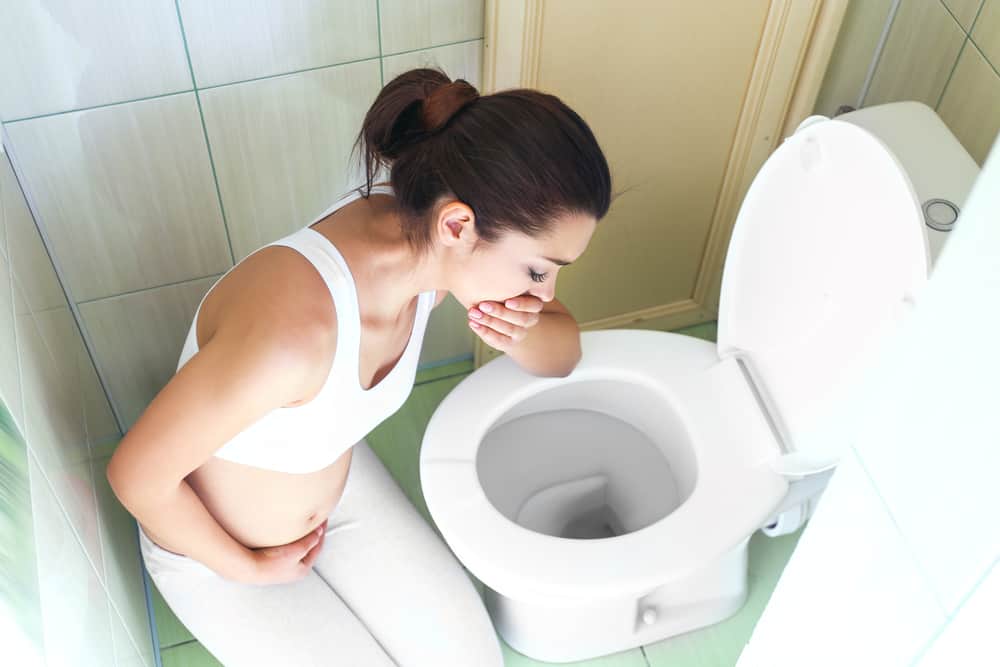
x,y
613,507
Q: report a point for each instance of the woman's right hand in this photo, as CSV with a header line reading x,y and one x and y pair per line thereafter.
x,y
287,562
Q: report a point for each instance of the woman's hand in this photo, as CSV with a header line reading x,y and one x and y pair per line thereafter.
x,y
503,325
287,562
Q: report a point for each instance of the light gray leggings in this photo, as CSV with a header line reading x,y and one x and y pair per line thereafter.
x,y
385,590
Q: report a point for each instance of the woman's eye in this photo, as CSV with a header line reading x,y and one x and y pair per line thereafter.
x,y
537,277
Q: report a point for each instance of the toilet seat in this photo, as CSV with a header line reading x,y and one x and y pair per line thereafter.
x,y
735,486
829,235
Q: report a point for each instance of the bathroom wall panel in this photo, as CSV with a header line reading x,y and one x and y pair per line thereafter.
x,y
919,55
60,56
281,147
138,338
74,605
852,55
968,637
459,61
53,417
850,552
971,104
667,129
10,381
234,41
29,261
419,24
131,202
964,11
127,654
122,572
986,31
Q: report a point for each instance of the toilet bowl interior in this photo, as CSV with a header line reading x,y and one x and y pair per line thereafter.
x,y
589,459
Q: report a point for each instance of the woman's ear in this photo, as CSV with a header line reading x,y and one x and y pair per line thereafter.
x,y
455,226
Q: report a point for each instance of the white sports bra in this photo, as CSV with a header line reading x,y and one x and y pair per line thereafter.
x,y
309,437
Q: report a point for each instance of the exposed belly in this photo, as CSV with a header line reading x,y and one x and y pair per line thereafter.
x,y
264,508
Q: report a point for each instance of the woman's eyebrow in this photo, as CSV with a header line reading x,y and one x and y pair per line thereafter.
x,y
560,262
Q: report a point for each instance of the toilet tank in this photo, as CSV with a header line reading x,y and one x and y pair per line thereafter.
x,y
941,170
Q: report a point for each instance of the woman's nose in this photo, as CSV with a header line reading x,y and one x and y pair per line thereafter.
x,y
545,291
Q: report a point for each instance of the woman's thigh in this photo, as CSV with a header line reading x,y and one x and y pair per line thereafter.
x,y
243,625
397,576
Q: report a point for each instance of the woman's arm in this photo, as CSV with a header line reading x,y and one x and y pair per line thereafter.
x,y
232,381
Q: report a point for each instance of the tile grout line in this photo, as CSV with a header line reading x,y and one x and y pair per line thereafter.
x,y
381,56
30,452
289,73
951,617
240,81
204,129
96,106
910,551
62,282
968,40
139,290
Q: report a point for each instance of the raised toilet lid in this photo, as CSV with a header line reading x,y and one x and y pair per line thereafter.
x,y
826,254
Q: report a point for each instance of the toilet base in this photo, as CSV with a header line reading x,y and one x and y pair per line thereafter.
x,y
565,630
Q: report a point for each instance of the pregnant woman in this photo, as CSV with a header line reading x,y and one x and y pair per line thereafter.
x,y
269,526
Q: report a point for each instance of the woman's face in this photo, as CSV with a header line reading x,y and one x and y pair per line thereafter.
x,y
516,263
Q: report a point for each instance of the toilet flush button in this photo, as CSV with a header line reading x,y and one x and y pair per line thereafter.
x,y
649,616
940,214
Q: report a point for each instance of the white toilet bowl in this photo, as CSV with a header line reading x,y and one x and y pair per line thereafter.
x,y
613,507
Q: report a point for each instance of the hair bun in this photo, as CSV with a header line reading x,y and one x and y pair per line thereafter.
x,y
446,100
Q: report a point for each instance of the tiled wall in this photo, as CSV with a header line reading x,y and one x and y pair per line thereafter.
x,y
160,142
945,53
92,606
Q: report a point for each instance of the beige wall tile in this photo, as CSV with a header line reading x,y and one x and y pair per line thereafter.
x,y
919,55
3,196
420,24
122,571
10,381
57,56
460,61
131,202
74,605
852,55
29,261
964,11
281,147
138,339
233,41
53,417
971,104
986,32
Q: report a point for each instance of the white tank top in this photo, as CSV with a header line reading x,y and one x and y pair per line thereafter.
x,y
309,437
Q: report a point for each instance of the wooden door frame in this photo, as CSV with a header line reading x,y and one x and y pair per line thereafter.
x,y
794,50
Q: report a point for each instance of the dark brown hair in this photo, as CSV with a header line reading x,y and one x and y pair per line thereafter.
x,y
518,158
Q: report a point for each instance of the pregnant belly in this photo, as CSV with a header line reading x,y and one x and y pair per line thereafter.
x,y
265,508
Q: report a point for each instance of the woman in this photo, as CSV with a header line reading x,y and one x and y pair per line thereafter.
x,y
269,526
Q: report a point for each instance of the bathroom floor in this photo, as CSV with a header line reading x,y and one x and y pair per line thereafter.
x,y
397,441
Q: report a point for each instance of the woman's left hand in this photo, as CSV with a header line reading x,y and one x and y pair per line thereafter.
x,y
503,325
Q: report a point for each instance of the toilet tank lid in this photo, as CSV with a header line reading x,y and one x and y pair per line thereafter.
x,y
826,255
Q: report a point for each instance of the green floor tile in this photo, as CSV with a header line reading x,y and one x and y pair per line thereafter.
x,y
705,331
397,439
191,654
633,658
720,645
